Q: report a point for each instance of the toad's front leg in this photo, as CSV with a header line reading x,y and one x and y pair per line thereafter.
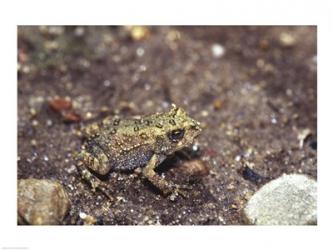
x,y
163,185
85,160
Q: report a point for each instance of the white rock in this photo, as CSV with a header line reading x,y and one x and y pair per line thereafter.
x,y
287,200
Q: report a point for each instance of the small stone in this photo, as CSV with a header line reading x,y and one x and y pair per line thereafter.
x,y
82,215
60,103
147,87
51,45
234,206
55,30
217,50
41,202
287,40
84,63
33,112
88,115
26,69
90,220
172,197
33,142
71,117
260,63
313,145
49,122
194,168
107,83
63,68
71,169
302,136
36,104
231,186
139,32
195,147
22,56
79,31
87,219
264,44
238,158
218,104
204,113
289,92
35,123
287,200
173,35
140,52
142,68
250,175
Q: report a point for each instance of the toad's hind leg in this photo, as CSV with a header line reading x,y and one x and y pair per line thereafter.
x,y
85,160
163,185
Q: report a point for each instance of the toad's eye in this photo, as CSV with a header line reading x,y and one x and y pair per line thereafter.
x,y
176,135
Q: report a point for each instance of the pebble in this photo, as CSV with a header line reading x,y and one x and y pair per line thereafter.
x,y
33,142
34,123
41,202
217,104
195,147
194,168
173,35
26,69
217,50
87,219
302,136
204,113
273,120
55,30
49,122
60,103
51,45
71,117
33,112
107,83
264,44
287,200
82,215
139,32
287,40
250,175
79,31
140,52
36,103
238,158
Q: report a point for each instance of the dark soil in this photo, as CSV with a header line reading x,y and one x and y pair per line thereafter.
x,y
257,103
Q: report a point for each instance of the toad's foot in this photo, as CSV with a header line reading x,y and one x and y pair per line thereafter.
x,y
94,182
167,188
179,190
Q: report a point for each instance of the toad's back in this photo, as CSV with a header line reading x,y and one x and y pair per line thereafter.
x,y
126,143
